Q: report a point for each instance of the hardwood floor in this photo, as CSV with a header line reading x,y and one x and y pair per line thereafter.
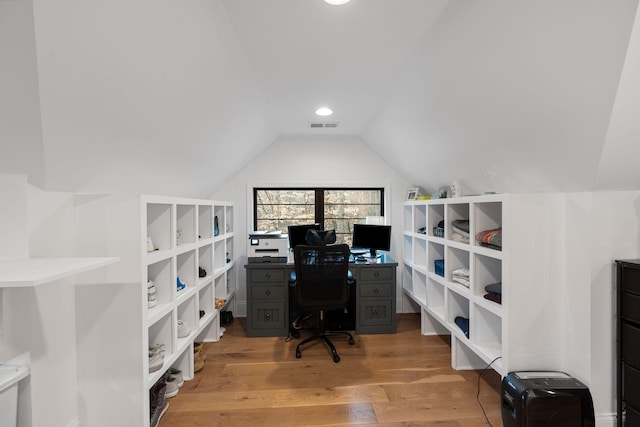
x,y
402,379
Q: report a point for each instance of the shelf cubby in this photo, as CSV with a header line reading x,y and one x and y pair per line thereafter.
x,y
457,305
435,299
419,218
205,222
162,275
228,250
487,216
186,269
185,224
435,252
219,217
228,220
455,211
220,284
487,271
456,259
230,280
206,304
159,226
407,243
420,252
219,255
161,332
205,261
487,329
407,279
435,214
420,287
407,212
187,312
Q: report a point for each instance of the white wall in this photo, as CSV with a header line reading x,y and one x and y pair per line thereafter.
x,y
523,90
20,130
618,168
41,321
313,161
601,227
144,96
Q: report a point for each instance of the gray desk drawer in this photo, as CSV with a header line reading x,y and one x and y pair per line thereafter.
x,y
376,290
268,317
376,273
267,293
268,275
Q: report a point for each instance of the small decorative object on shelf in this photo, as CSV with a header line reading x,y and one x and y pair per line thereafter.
x,y
441,193
456,190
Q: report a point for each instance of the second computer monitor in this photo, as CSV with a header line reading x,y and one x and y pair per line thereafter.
x,y
372,237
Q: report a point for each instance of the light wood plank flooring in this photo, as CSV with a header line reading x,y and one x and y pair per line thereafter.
x,y
402,379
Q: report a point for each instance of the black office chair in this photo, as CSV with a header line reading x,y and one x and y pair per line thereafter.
x,y
322,283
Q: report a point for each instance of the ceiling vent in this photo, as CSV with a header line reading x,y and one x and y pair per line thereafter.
x,y
313,125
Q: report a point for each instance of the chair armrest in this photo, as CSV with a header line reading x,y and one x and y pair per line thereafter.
x,y
292,279
350,278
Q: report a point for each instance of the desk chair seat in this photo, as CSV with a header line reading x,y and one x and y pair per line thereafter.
x,y
322,283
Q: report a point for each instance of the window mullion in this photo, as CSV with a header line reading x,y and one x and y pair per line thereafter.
x,y
319,214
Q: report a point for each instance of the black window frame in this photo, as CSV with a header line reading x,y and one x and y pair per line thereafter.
x,y
319,192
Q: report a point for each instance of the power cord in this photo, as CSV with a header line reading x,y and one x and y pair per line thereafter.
x,y
478,393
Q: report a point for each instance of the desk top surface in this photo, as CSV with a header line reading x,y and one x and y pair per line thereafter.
x,y
382,260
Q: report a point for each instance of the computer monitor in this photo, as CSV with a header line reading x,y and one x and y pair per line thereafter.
x,y
372,237
298,234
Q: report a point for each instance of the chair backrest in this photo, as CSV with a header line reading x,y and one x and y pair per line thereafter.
x,y
320,237
321,276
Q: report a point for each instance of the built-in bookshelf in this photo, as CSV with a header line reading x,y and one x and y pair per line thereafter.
x,y
177,272
449,272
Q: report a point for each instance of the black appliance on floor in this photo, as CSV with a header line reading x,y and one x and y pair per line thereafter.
x,y
549,399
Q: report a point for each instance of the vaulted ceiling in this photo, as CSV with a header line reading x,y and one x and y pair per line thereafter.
x,y
169,97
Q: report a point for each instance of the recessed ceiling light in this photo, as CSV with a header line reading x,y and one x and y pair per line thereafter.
x,y
324,111
337,2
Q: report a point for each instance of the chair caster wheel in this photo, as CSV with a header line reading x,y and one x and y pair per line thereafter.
x,y
351,341
298,354
336,358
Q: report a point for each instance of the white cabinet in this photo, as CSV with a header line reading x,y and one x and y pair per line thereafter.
x,y
185,248
522,330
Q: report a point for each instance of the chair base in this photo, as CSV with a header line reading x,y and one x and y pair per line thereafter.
x,y
325,337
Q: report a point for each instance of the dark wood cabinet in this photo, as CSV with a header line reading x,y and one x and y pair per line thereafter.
x,y
628,342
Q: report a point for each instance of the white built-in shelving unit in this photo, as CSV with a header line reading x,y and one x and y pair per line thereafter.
x,y
519,333
187,235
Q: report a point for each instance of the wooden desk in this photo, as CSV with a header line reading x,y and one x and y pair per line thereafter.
x,y
268,297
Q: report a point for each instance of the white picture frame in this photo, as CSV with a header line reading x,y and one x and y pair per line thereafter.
x,y
413,193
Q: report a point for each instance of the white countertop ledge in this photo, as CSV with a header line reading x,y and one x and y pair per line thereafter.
x,y
30,272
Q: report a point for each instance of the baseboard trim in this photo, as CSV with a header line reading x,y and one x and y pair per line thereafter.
x,y
606,420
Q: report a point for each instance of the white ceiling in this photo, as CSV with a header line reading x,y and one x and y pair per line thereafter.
x,y
307,53
167,97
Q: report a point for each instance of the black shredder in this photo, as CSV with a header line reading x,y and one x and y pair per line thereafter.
x,y
549,399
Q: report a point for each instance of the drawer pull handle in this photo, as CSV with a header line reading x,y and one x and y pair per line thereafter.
x,y
267,276
376,274
268,292
375,291
267,316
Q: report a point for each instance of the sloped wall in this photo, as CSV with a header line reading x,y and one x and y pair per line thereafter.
x,y
519,91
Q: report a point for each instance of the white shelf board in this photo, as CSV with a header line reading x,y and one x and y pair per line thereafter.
x,y
30,272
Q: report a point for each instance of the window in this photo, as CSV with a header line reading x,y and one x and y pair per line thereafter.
x,y
335,208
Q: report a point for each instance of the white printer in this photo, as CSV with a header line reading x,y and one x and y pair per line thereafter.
x,y
268,246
